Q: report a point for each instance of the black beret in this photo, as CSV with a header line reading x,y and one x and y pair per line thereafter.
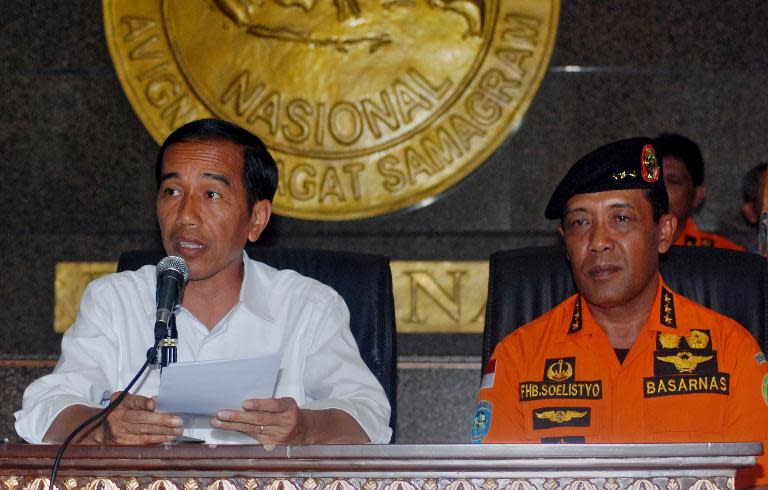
x,y
625,164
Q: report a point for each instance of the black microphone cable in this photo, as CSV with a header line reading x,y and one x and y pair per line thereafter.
x,y
172,275
151,355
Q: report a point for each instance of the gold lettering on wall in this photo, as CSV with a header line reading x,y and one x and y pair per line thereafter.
x,y
440,297
430,296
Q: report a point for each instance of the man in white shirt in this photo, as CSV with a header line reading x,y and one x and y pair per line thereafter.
x,y
215,186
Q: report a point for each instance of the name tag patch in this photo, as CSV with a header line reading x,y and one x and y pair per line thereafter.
x,y
577,390
718,383
559,381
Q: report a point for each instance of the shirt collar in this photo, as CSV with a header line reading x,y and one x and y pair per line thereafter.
x,y
661,318
664,313
689,232
254,292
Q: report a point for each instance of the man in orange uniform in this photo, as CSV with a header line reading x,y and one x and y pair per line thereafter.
x,y
626,359
684,179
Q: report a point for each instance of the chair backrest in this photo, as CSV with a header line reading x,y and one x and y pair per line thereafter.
x,y
365,283
525,283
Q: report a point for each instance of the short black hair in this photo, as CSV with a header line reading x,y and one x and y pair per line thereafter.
x,y
659,202
259,168
684,149
751,182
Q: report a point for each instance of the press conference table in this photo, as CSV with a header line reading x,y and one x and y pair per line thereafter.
x,y
698,466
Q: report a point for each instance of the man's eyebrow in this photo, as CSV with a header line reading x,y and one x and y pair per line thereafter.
x,y
622,205
169,175
221,178
574,210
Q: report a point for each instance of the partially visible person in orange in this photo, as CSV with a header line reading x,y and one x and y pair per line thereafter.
x,y
684,179
626,359
752,191
752,195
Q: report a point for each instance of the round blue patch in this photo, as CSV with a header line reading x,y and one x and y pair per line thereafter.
x,y
481,421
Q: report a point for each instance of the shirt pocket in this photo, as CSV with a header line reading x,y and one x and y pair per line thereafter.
x,y
685,417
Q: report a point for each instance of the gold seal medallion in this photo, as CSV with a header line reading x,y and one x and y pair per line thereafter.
x,y
650,164
369,106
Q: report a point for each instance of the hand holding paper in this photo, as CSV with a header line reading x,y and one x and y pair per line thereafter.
x,y
274,420
204,388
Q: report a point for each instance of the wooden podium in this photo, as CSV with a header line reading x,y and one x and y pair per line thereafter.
x,y
700,466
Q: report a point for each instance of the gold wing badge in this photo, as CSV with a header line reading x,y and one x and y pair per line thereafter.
x,y
684,362
560,416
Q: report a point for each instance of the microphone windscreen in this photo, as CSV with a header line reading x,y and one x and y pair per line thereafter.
x,y
173,263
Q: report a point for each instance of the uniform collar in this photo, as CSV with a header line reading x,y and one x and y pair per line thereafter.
x,y
689,234
661,318
255,290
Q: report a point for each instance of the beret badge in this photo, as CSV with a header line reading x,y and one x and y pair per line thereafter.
x,y
650,164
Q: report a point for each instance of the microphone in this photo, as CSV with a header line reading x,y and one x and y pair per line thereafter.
x,y
172,275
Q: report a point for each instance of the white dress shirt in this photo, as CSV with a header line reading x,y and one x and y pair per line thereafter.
x,y
279,311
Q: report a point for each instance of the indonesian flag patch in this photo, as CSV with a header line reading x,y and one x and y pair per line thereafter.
x,y
488,375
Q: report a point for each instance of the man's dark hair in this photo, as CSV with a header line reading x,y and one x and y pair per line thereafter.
x,y
751,182
685,150
259,168
659,202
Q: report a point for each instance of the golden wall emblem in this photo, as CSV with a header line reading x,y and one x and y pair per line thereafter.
x,y
369,106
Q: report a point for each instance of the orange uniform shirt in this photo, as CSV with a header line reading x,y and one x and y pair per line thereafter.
x,y
693,236
692,375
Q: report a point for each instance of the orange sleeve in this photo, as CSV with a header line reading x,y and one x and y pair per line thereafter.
x,y
747,417
498,405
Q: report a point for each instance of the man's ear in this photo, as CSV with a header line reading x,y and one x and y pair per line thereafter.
x,y
750,213
667,227
260,214
699,194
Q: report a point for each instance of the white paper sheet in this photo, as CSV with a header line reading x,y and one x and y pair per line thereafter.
x,y
204,388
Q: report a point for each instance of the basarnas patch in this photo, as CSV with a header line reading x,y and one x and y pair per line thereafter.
x,y
481,421
718,384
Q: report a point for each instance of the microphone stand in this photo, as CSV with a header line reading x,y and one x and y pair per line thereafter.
x,y
168,344
166,340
